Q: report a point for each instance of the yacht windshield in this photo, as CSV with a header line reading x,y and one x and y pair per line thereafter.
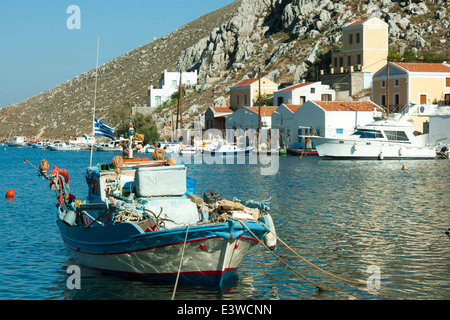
x,y
368,134
396,135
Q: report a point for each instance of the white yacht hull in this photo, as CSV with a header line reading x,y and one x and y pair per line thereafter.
x,y
335,148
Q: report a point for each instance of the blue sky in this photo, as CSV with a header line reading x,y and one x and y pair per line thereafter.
x,y
38,51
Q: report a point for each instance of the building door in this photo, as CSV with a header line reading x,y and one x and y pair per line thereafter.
x,y
447,98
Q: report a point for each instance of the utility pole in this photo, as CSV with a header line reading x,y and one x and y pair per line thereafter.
x,y
179,111
259,98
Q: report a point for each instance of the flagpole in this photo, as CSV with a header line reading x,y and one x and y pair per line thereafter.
x,y
95,98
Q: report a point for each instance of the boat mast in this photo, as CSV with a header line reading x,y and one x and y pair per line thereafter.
x,y
95,98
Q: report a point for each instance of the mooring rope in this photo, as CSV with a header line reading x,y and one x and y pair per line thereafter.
x,y
181,262
308,262
283,262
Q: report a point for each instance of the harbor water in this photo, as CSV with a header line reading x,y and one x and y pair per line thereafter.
x,y
365,221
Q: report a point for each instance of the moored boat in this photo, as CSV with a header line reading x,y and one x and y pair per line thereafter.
x,y
384,139
302,152
18,141
112,146
223,148
142,219
63,146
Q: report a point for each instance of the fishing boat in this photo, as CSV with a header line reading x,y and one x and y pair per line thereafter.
x,y
63,146
18,141
142,219
169,147
112,146
223,148
84,142
388,139
302,152
41,144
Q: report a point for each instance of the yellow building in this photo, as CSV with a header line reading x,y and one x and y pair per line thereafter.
x,y
364,47
246,92
398,84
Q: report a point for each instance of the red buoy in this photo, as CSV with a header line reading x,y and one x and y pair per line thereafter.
x,y
10,193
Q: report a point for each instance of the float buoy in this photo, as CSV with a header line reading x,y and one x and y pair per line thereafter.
x,y
10,194
404,168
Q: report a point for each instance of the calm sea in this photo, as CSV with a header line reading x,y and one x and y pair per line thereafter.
x,y
358,220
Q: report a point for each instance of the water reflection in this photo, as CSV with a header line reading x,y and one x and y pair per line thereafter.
x,y
343,216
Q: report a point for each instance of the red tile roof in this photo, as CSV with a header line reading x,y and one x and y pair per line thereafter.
x,y
296,86
293,107
246,82
423,67
347,105
265,111
222,109
356,22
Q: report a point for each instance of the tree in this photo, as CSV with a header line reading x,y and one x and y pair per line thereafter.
x,y
143,124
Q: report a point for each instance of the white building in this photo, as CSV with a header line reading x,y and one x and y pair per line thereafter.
x,y
300,93
248,118
324,118
168,84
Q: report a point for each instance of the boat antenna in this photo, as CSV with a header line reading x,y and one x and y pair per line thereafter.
x,y
95,98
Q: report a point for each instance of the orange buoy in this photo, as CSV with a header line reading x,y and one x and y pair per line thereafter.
x,y
10,193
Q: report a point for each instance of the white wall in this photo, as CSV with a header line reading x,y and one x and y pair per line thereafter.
x,y
440,129
293,96
170,84
245,119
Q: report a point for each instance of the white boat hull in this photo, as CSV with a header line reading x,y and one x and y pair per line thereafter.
x,y
334,148
220,259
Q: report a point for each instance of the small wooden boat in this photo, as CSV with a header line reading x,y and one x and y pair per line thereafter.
x,y
302,152
142,219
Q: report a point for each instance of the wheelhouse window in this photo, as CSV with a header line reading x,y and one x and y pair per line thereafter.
x,y
368,134
396,135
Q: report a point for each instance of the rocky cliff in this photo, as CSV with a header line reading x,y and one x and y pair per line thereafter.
x,y
280,37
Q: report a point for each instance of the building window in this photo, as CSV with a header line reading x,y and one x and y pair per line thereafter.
x,y
313,90
174,83
237,100
350,39
447,82
349,61
339,131
245,99
383,83
357,38
396,83
341,62
359,58
335,62
280,101
158,101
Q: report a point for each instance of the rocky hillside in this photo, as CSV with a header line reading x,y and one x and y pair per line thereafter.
x,y
282,37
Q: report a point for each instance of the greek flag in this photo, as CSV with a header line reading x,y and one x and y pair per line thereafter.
x,y
102,129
